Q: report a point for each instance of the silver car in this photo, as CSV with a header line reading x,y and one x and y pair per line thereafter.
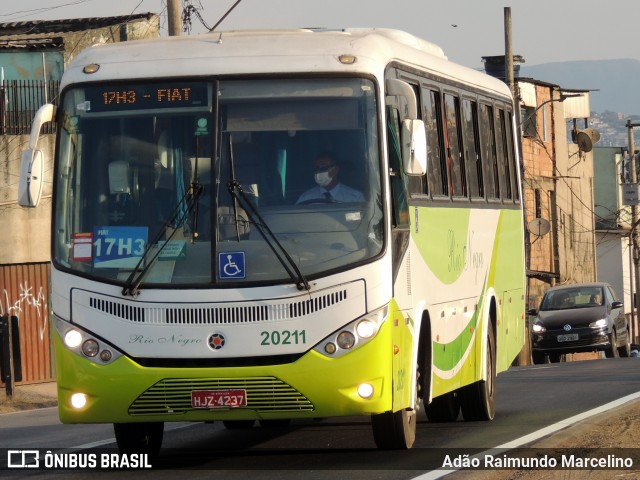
x,y
580,317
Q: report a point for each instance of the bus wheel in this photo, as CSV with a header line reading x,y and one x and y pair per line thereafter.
x,y
238,424
444,408
394,430
139,437
478,400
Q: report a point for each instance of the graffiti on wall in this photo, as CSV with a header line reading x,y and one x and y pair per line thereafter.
x,y
28,300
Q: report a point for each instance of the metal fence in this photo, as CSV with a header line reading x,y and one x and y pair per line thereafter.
x,y
19,101
24,293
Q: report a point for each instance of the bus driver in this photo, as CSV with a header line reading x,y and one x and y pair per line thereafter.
x,y
328,186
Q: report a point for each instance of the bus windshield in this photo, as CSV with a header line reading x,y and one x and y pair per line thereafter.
x,y
197,182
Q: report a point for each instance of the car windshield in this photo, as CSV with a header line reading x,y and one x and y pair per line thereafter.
x,y
582,297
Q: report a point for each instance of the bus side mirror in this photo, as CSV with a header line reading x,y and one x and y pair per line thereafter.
x,y
32,163
414,147
31,172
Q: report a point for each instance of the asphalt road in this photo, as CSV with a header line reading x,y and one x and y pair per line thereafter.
x,y
529,399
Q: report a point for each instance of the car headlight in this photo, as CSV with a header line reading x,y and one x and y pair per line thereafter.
x,y
538,328
599,323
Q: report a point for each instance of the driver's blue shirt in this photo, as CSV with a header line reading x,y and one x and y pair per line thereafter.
x,y
339,193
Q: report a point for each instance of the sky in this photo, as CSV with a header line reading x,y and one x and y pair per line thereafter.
x,y
543,31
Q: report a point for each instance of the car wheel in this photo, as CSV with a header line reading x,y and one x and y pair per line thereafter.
x,y
555,357
538,358
612,351
625,350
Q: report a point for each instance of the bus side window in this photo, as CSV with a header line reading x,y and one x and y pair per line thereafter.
x,y
418,184
398,189
488,142
503,158
472,148
455,161
511,155
437,171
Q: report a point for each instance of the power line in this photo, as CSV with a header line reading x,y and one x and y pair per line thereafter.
x,y
28,13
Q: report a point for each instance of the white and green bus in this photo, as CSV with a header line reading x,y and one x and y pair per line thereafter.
x,y
193,281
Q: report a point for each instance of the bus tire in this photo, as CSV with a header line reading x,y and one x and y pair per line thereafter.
x,y
478,400
394,430
139,437
444,408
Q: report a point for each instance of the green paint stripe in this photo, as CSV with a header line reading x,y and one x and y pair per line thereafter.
x,y
447,355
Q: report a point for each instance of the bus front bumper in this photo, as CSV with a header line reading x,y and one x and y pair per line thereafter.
x,y
313,386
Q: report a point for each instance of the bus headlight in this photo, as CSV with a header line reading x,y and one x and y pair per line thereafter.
x,y
365,390
84,343
346,340
366,328
73,339
90,348
78,400
354,334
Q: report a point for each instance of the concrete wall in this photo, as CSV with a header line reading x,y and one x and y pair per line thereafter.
x,y
562,180
613,265
576,225
610,213
26,233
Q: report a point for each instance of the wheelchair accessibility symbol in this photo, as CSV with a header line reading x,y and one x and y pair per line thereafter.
x,y
231,265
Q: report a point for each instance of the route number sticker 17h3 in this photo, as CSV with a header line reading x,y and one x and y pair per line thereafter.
x,y
118,247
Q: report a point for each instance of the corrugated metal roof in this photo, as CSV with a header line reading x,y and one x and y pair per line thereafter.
x,y
36,27
577,106
40,43
48,34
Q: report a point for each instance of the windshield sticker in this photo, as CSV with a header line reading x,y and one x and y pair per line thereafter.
x,y
118,247
82,243
173,250
231,265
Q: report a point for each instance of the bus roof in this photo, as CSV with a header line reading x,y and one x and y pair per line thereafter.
x,y
270,51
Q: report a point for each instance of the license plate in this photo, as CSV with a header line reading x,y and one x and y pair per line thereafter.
x,y
568,338
218,398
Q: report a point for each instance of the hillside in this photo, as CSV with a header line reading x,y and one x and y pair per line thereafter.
x,y
615,81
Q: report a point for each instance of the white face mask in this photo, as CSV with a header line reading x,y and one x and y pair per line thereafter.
x,y
323,178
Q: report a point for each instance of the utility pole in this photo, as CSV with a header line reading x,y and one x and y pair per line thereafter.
x,y
508,52
634,226
175,17
524,357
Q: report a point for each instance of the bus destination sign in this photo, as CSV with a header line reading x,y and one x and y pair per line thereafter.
x,y
145,96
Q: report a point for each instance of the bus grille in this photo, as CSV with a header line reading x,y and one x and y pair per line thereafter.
x,y
264,394
220,314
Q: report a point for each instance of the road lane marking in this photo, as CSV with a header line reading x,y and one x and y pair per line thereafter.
x,y
100,443
537,435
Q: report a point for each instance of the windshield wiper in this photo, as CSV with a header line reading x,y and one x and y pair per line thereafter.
x,y
177,217
269,237
240,197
